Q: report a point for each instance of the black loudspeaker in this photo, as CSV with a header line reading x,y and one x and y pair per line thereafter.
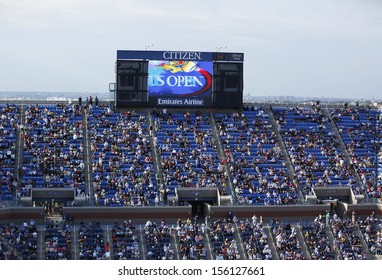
x,y
131,83
228,85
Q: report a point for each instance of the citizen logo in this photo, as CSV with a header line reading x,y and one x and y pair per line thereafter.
x,y
182,55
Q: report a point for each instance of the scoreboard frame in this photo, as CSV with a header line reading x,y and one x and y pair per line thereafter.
x,y
178,79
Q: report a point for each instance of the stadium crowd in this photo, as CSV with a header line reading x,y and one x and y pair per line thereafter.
x,y
53,148
371,228
223,243
254,157
313,149
125,241
123,170
188,152
288,245
327,237
123,174
317,239
9,125
191,240
158,241
255,239
58,240
92,245
122,160
21,238
346,239
360,133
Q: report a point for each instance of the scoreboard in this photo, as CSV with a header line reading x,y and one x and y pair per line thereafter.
x,y
179,79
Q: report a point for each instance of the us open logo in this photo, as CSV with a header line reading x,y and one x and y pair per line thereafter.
x,y
180,78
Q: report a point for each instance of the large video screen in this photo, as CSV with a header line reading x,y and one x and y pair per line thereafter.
x,y
177,82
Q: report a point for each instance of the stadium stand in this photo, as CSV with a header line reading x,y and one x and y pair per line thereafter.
x,y
124,165
122,161
255,240
223,243
191,240
371,228
158,241
313,148
58,240
255,160
288,245
125,241
91,240
53,148
188,152
317,238
22,239
358,131
9,124
346,239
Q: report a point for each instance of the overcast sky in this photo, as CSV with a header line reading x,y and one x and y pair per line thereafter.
x,y
322,48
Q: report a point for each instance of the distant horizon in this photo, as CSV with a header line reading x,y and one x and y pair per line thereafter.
x,y
57,95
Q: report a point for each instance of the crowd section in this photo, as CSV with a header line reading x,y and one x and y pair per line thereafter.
x,y
326,237
191,240
188,152
346,239
286,240
7,254
371,228
158,241
317,238
255,239
123,170
313,149
9,124
258,170
125,241
122,161
53,148
359,132
92,245
21,238
123,174
58,240
223,242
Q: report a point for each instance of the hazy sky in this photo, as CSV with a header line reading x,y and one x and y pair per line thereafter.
x,y
315,48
